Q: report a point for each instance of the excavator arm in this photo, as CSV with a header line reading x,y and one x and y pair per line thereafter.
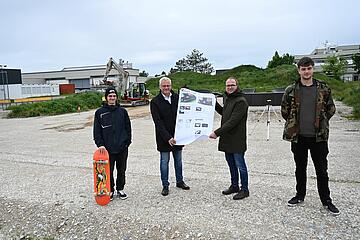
x,y
123,76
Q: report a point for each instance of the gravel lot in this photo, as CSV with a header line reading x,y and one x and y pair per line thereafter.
x,y
47,185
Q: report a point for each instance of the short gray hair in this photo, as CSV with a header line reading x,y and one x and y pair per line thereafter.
x,y
233,78
164,79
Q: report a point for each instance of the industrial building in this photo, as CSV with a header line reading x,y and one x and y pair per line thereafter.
x,y
15,85
84,77
346,52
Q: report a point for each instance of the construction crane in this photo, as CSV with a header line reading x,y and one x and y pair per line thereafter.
x,y
131,94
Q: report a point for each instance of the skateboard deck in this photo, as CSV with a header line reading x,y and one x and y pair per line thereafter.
x,y
101,166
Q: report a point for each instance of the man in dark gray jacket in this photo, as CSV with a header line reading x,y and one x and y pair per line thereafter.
x,y
232,135
112,131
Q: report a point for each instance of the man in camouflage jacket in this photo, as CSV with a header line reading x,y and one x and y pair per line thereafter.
x,y
324,110
307,107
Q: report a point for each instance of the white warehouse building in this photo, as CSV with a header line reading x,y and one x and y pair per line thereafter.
x,y
84,78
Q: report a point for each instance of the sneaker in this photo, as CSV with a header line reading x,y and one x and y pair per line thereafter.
x,y
111,196
165,191
230,190
122,195
295,201
331,208
241,195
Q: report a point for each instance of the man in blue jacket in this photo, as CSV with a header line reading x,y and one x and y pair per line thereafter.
x,y
112,131
164,110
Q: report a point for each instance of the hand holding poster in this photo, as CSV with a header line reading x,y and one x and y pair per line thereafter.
x,y
195,116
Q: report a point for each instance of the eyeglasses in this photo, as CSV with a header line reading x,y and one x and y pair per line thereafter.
x,y
165,85
231,85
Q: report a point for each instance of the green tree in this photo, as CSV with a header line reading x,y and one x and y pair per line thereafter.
x,y
288,59
194,62
277,60
334,66
356,62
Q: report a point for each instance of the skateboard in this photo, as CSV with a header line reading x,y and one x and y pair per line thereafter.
x,y
101,166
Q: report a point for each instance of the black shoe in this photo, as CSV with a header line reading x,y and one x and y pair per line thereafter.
x,y
182,185
111,196
295,201
241,195
331,208
122,195
230,190
165,191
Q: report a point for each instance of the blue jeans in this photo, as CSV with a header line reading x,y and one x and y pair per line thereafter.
x,y
164,167
237,161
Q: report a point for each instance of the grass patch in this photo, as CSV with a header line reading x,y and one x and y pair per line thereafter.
x,y
262,80
86,101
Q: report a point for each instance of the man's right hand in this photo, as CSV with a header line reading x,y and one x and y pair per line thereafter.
x,y
213,135
172,141
102,149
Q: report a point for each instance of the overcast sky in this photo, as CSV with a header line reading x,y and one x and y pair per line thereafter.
x,y
153,34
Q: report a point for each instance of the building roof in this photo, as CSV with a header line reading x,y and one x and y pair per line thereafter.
x,y
345,51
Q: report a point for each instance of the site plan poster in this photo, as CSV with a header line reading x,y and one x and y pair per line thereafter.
x,y
195,116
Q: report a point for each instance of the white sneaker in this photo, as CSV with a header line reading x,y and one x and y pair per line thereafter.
x,y
122,195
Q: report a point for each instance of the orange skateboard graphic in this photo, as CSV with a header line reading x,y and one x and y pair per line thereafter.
x,y
101,167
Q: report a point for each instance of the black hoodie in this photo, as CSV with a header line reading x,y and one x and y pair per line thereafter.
x,y
112,128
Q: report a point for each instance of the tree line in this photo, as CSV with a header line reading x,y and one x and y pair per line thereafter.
x,y
334,66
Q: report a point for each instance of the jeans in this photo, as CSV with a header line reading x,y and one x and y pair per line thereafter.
x,y
319,152
119,160
164,167
236,163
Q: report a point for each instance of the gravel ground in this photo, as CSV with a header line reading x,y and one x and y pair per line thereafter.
x,y
47,184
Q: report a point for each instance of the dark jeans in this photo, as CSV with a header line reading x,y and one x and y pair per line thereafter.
x,y
319,152
236,163
119,160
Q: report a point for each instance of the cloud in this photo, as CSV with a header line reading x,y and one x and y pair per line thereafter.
x,y
42,35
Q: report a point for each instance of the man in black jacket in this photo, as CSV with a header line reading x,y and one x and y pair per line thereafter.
x,y
112,131
164,110
233,137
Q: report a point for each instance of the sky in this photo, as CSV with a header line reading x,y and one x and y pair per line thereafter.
x,y
47,35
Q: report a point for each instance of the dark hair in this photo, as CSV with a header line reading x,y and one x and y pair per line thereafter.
x,y
305,62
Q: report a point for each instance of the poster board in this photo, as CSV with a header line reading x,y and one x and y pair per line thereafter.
x,y
195,116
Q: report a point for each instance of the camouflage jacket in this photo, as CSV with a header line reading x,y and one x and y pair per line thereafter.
x,y
290,109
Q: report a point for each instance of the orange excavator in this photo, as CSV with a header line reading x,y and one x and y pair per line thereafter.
x,y
131,94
